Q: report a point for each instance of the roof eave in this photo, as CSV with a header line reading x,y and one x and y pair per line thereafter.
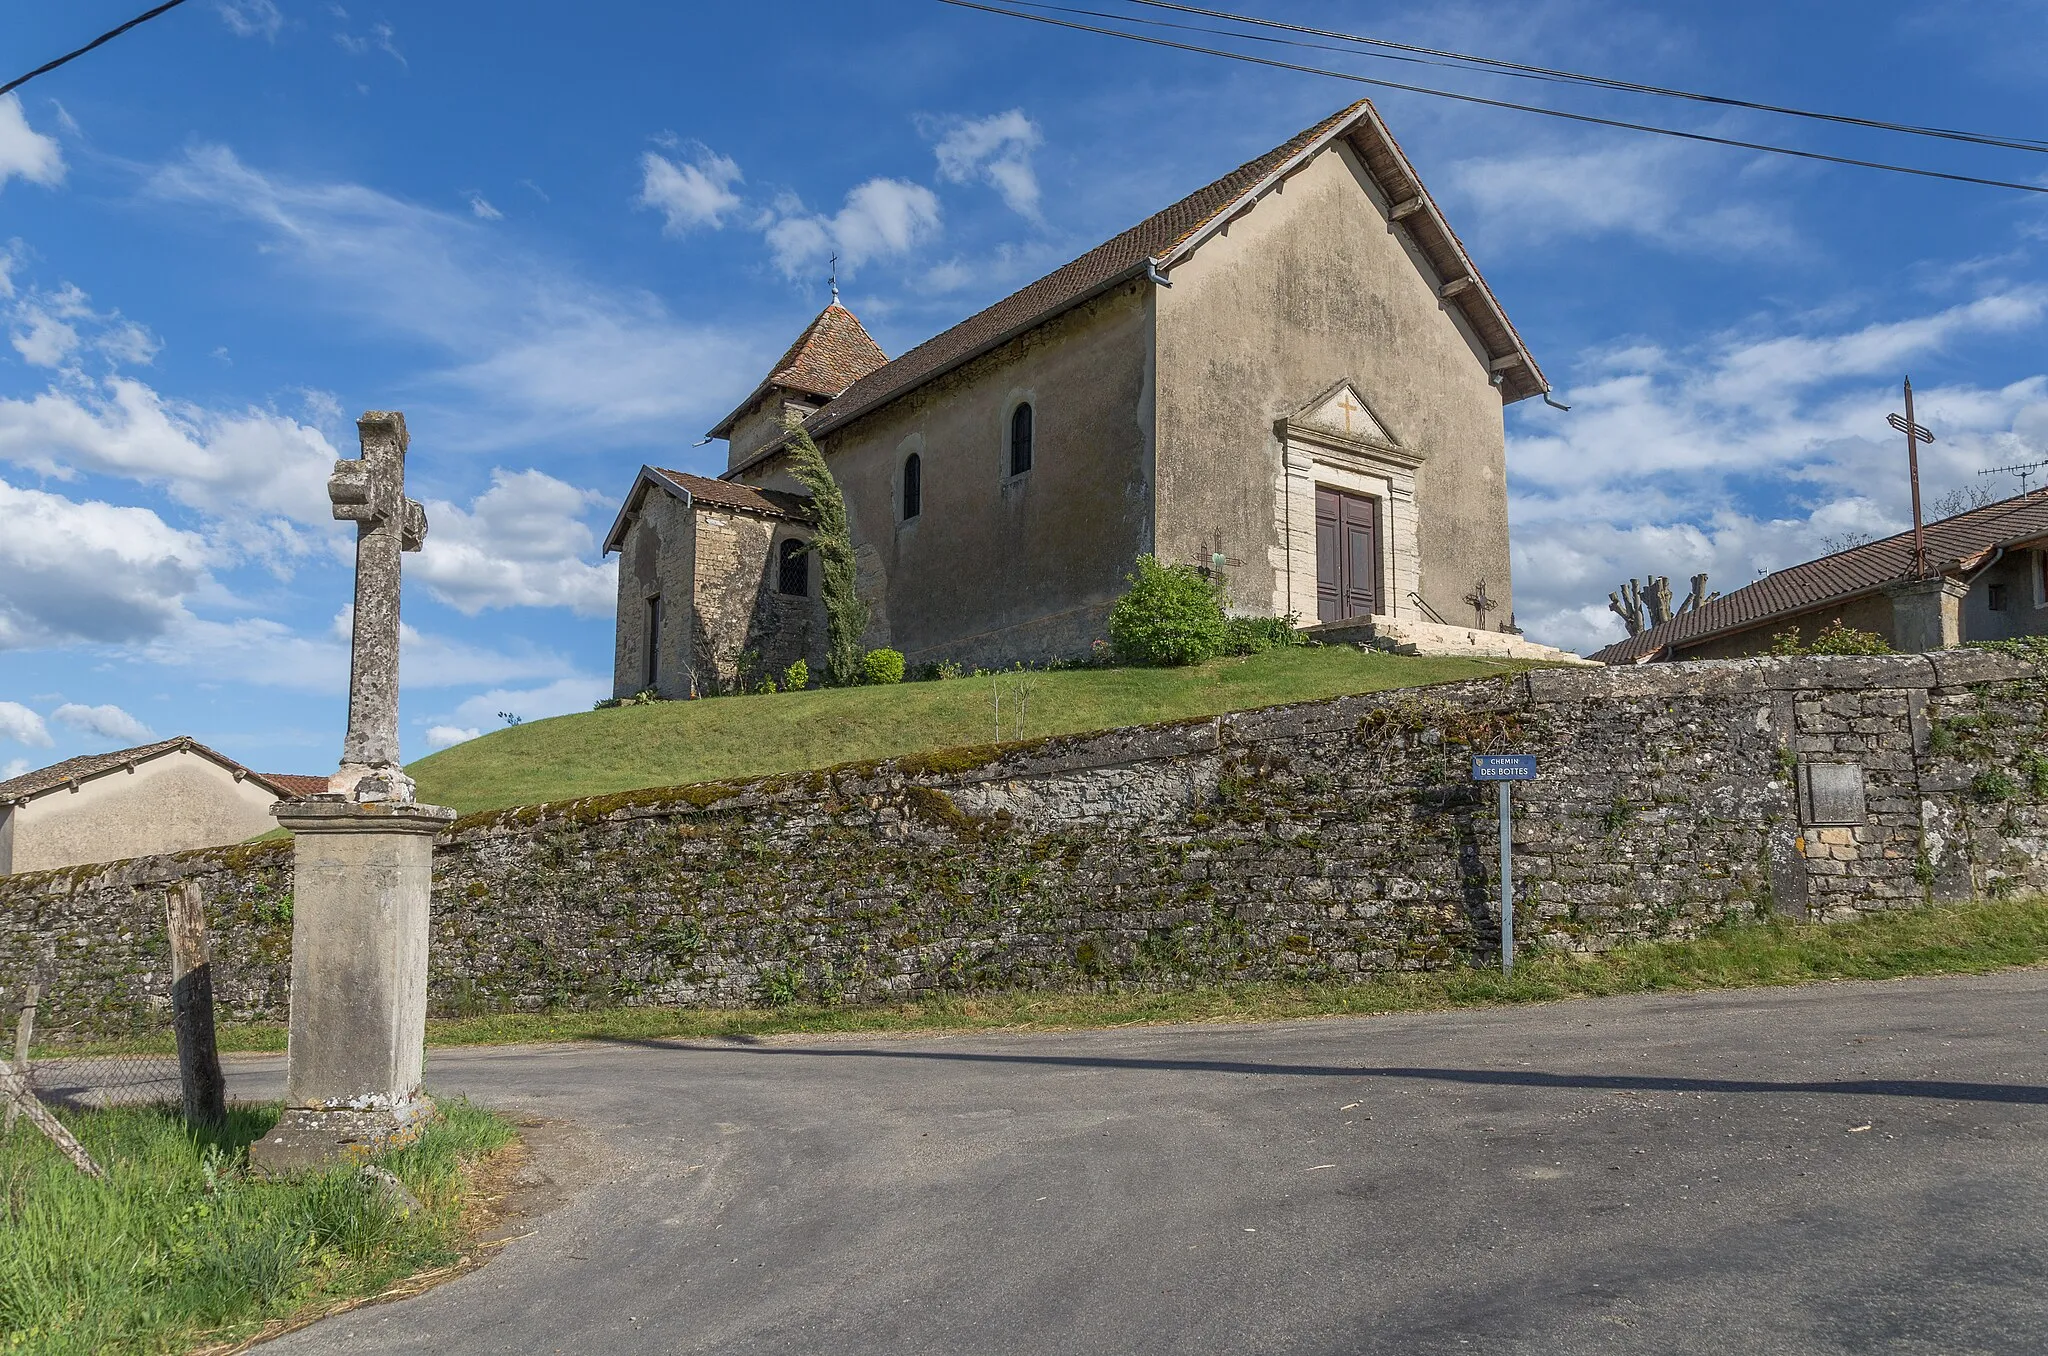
x,y
817,427
615,540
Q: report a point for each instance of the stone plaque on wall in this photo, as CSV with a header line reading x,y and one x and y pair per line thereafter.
x,y
1831,793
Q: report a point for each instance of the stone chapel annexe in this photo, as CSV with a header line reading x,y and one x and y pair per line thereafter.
x,y
1292,378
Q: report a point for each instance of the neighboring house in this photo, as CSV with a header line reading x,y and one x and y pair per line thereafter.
x,y
1987,580
1291,379
164,797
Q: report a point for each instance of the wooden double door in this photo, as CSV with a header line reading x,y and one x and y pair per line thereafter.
x,y
1347,555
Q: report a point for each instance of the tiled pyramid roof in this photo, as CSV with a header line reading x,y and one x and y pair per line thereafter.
x,y
832,353
1953,544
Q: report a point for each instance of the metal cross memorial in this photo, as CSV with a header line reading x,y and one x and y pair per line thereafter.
x,y
370,492
1481,604
1915,435
1503,769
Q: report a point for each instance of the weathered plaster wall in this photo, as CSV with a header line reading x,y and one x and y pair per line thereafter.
x,y
1323,840
999,568
1310,287
165,804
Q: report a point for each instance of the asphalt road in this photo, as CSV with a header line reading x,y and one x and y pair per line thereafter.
x,y
1842,1168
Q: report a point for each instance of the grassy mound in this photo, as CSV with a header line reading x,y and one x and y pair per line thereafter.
x,y
180,1247
627,748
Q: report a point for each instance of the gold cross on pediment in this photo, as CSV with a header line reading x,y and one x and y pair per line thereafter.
x,y
1345,403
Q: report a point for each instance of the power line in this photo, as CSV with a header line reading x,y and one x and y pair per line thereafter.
x,y
99,41
1499,103
1573,77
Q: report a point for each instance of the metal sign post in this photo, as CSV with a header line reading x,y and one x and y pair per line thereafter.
x,y
1502,769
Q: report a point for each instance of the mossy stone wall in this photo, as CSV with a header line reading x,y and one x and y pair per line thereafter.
x,y
1317,841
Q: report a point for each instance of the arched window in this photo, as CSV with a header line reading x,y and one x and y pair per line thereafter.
x,y
913,486
794,573
1020,440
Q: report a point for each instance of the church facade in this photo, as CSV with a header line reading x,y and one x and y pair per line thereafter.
x,y
1292,379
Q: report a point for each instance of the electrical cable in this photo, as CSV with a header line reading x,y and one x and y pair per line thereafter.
x,y
1500,103
99,41
1600,81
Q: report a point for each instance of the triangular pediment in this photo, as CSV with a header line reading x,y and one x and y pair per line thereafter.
x,y
1342,411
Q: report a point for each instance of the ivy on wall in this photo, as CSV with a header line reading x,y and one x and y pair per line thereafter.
x,y
846,616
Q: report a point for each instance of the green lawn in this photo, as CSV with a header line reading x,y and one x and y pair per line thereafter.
x,y
674,743
180,1247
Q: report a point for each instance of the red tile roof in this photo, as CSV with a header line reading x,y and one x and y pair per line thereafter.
x,y
746,498
1954,544
295,785
1178,227
832,353
87,766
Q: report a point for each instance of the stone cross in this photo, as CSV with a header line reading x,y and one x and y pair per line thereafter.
x,y
370,492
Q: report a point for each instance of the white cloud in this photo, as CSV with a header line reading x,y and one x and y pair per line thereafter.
x,y
688,195
882,217
25,152
447,736
110,723
91,571
49,329
13,768
522,543
1745,454
538,353
237,466
23,726
481,207
558,698
996,150
251,18
1655,191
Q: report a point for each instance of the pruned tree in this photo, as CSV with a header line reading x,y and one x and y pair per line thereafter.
x,y
1647,602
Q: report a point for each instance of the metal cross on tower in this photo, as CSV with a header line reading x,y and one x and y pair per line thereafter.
x,y
1915,435
1481,604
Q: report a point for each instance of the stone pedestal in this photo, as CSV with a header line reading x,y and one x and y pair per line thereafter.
x,y
1927,614
363,877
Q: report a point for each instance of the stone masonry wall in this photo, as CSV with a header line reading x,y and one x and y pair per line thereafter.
x,y
1324,840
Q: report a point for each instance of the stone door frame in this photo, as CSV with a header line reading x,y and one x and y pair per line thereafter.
x,y
1312,457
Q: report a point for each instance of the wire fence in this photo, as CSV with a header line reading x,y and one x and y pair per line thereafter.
x,y
90,1079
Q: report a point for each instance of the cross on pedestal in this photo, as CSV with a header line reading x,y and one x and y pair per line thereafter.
x,y
370,492
1481,604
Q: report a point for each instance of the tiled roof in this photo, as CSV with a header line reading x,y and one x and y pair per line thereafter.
x,y
832,353
733,495
1178,227
295,785
1953,544
89,765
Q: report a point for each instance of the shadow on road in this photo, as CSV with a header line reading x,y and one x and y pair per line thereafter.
x,y
1930,1089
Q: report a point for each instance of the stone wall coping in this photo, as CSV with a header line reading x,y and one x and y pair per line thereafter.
x,y
322,815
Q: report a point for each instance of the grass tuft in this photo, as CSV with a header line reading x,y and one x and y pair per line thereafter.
x,y
181,1246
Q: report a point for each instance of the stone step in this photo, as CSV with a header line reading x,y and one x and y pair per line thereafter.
x,y
1413,636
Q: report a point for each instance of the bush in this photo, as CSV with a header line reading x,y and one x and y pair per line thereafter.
x,y
881,667
1256,635
796,677
1834,638
1170,616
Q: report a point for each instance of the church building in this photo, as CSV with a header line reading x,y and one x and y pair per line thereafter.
x,y
1292,379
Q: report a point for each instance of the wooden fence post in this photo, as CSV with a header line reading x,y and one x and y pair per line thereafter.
x,y
199,1071
16,1090
24,1032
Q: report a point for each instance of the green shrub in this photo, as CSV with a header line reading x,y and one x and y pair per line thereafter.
x,y
1171,615
1256,635
1834,638
796,677
1994,785
879,667
846,616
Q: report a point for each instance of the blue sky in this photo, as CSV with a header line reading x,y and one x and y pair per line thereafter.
x,y
565,239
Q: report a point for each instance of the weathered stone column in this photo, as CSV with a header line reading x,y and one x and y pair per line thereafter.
x,y
1927,614
363,868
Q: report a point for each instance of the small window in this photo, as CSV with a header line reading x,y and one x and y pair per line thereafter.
x,y
794,573
913,487
650,663
1994,597
1020,440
